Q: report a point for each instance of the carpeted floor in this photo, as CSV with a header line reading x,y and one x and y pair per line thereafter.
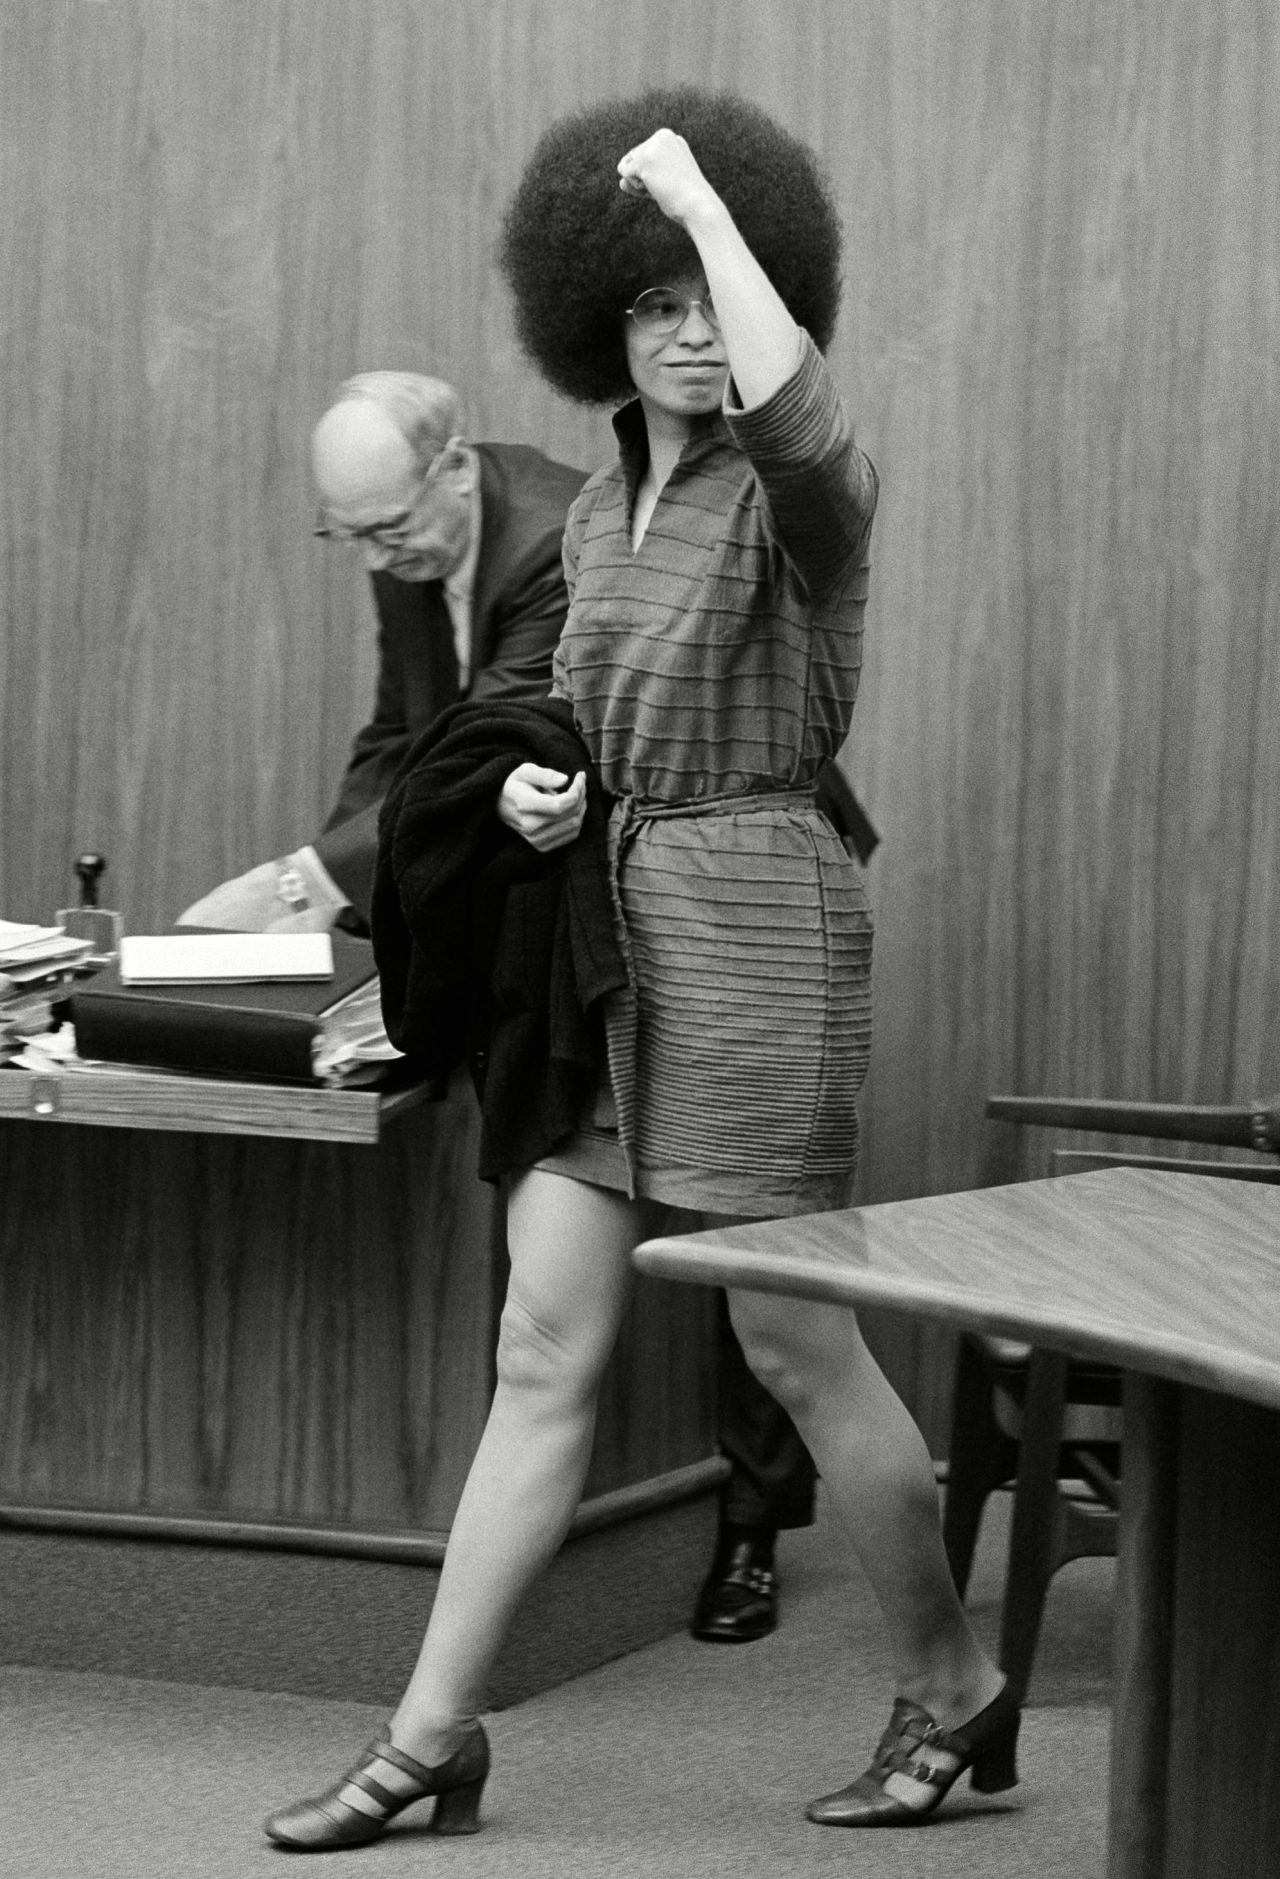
x,y
682,1759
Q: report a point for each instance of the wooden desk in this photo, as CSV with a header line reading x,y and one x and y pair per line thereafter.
x,y
1177,1279
253,1317
128,1098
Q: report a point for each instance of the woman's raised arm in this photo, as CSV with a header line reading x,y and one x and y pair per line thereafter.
x,y
760,336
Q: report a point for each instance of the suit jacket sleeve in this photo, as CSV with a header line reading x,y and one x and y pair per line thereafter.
x,y
518,609
348,843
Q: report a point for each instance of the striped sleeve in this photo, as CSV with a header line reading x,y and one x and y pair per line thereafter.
x,y
820,487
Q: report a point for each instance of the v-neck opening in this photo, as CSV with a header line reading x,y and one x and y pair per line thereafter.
x,y
634,455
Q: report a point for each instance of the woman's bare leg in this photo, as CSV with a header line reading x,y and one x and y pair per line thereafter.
x,y
879,1474
570,1278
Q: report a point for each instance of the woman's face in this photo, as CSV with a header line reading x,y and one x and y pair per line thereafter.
x,y
679,375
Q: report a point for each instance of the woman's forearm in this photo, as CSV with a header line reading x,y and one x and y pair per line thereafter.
x,y
760,336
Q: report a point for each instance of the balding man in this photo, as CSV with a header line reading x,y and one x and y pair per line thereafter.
x,y
462,543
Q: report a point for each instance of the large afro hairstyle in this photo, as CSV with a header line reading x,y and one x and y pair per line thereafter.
x,y
576,249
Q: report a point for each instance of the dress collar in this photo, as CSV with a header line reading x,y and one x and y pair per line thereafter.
x,y
706,434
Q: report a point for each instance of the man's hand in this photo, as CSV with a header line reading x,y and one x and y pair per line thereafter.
x,y
272,898
310,920
543,806
664,167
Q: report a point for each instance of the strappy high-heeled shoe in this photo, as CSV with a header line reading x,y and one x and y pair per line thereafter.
x,y
986,1745
357,1808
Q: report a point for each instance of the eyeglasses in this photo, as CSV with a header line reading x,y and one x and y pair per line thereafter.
x,y
664,309
392,531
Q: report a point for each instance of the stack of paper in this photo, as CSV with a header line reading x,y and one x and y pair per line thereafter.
x,y
35,963
353,1046
287,1007
29,953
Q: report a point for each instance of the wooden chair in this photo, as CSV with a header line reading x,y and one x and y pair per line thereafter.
x,y
1049,1424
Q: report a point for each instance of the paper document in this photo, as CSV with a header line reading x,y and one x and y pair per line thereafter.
x,y
225,958
23,945
24,932
354,1045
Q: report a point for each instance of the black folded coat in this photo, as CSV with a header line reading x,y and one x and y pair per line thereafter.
x,y
485,948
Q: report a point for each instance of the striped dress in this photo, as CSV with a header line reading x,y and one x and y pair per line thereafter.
x,y
712,672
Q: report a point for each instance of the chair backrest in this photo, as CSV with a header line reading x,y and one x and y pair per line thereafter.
x,y
1253,1125
1084,1161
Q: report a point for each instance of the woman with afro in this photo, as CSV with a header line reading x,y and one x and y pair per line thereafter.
x,y
680,252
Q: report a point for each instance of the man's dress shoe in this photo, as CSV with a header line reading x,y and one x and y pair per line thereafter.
x,y
739,1601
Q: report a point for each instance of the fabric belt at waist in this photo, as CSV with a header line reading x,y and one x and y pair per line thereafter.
x,y
630,812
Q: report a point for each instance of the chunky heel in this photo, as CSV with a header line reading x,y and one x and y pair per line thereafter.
x,y
995,1767
381,1785
458,1809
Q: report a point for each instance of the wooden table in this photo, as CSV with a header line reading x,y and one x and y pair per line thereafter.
x,y
1177,1279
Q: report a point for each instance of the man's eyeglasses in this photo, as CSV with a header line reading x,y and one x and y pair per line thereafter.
x,y
392,533
664,309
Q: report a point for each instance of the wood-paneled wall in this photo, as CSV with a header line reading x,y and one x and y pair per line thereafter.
x,y
1061,339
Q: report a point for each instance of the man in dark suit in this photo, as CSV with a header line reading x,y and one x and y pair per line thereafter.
x,y
462,544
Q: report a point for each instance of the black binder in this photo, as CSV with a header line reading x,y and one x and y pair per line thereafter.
x,y
265,1029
